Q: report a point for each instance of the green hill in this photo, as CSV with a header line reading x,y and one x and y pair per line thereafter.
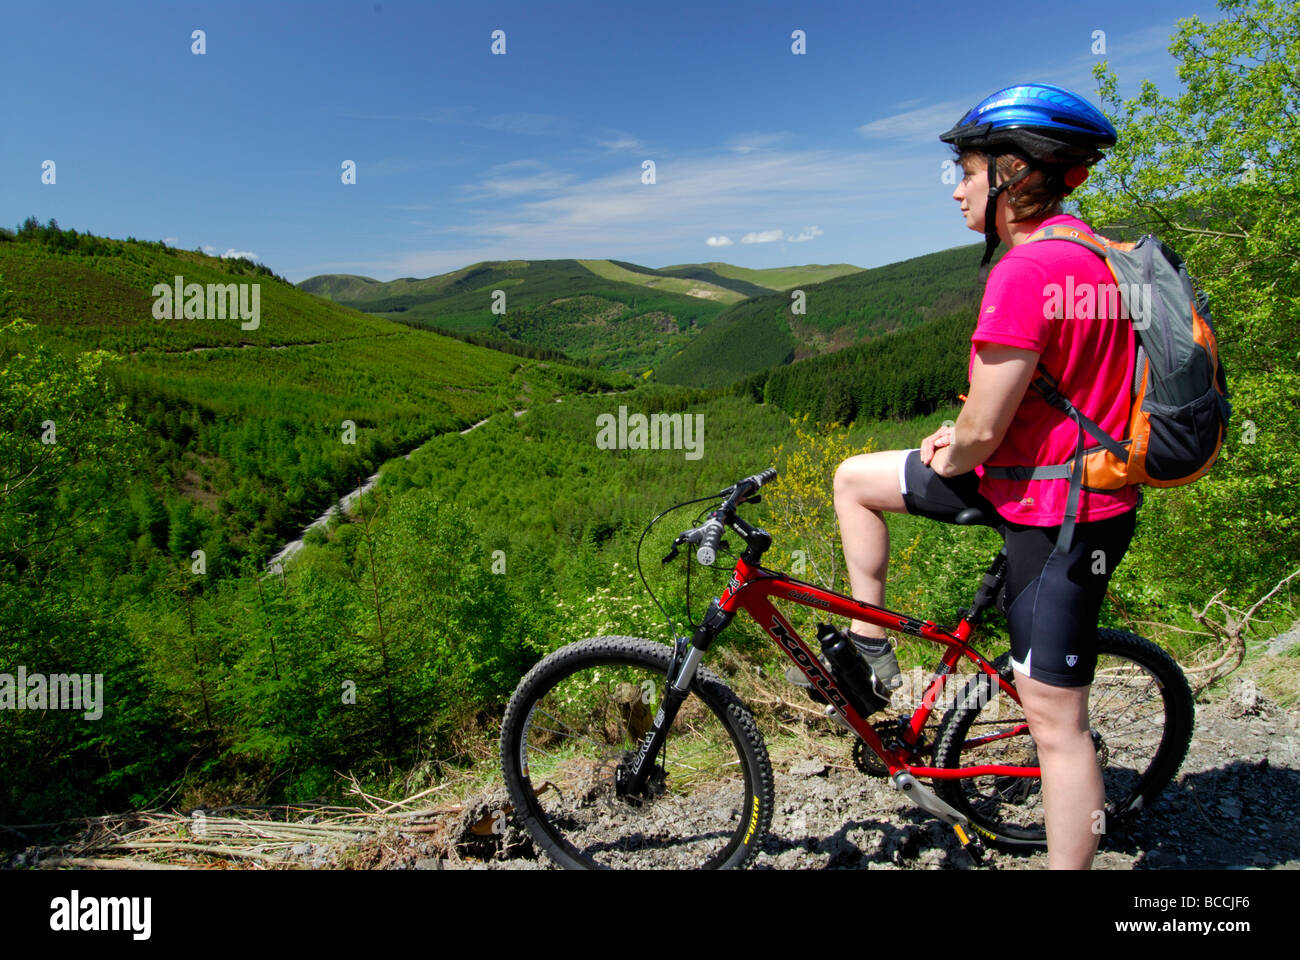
x,y
700,285
696,276
270,424
764,332
767,279
337,286
905,374
552,304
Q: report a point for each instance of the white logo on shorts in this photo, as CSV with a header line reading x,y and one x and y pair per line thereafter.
x,y
1071,659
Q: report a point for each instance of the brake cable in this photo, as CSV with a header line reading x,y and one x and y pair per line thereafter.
x,y
672,624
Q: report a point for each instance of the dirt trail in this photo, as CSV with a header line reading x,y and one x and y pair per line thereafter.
x,y
345,504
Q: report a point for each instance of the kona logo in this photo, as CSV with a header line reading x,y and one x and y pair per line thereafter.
x,y
807,598
809,665
733,584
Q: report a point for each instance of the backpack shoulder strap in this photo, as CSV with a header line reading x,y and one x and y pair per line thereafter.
x,y
1047,385
1098,245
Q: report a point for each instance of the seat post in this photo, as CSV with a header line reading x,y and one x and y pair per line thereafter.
x,y
989,587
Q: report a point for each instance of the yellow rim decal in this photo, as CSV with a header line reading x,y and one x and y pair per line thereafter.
x,y
753,822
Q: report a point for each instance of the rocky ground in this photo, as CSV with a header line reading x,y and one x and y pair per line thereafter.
x,y
1233,805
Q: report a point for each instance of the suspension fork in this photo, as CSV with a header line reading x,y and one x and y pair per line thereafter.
x,y
632,778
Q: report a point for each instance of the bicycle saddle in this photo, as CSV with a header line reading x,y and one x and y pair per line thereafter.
x,y
974,516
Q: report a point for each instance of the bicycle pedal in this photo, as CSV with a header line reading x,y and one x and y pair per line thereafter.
x,y
972,844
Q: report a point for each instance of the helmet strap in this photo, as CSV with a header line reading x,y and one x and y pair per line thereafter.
x,y
991,238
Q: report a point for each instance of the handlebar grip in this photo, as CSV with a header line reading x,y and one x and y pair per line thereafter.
x,y
767,476
708,551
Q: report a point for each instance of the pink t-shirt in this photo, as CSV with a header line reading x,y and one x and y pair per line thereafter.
x,y
1043,296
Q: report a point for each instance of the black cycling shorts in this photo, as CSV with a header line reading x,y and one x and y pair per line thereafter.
x,y
1053,599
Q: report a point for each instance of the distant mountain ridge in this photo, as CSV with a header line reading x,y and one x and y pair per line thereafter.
x,y
701,324
841,312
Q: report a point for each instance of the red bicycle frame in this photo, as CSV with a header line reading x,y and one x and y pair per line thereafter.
x,y
751,589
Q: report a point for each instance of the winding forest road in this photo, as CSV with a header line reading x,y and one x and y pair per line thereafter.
x,y
345,504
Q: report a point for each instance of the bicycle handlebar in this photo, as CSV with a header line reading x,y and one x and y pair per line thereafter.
x,y
708,551
711,533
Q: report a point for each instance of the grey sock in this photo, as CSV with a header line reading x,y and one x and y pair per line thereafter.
x,y
872,645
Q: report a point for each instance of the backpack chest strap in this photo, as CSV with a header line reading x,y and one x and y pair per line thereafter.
x,y
1059,471
1073,470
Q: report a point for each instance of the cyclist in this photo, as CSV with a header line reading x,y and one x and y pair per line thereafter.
x,y
1022,150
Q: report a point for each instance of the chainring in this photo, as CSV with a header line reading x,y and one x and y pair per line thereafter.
x,y
865,759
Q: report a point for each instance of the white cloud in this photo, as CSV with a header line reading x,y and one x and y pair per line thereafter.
x,y
233,254
765,236
719,241
749,142
527,124
1138,53
211,251
920,124
594,217
622,144
807,233
518,177
171,241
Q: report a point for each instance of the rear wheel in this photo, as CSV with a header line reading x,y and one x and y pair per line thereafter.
x,y
1141,714
569,734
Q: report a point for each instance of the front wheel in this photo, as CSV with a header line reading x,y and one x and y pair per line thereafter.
x,y
1140,712
573,726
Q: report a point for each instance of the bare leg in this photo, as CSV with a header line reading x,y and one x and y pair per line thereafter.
x,y
865,486
1074,797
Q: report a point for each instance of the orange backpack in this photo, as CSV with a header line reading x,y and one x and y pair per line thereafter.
x,y
1179,410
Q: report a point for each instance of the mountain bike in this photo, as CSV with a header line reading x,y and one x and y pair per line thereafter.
x,y
619,752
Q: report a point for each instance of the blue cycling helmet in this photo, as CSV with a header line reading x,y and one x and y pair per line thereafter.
x,y
1043,124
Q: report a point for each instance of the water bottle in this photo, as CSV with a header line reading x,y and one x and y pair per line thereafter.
x,y
851,672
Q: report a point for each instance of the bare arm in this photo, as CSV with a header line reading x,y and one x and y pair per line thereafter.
x,y
999,379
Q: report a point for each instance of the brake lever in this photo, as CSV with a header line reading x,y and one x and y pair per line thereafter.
x,y
671,556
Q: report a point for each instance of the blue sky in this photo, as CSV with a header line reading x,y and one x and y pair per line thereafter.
x,y
462,155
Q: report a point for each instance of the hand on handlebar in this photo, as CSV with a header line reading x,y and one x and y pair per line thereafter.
x,y
940,438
